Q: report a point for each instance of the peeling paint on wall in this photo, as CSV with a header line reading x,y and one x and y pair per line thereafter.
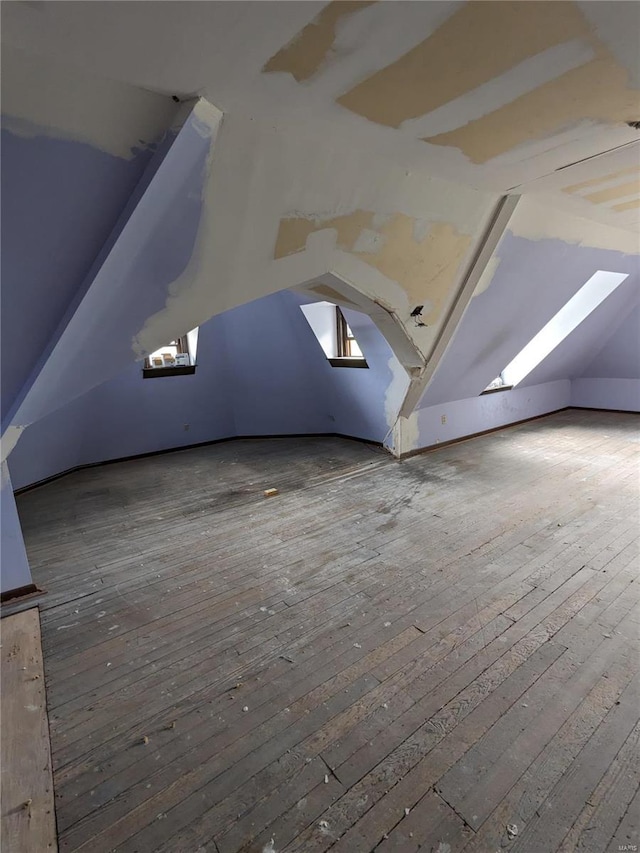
x,y
304,54
423,258
205,120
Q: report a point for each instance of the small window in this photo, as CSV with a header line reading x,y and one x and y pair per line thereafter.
x,y
347,344
349,353
601,284
177,358
498,384
332,332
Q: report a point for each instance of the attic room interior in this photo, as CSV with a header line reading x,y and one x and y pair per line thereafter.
x,y
320,382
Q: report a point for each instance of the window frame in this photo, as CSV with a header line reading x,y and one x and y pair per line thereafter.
x,y
344,341
182,346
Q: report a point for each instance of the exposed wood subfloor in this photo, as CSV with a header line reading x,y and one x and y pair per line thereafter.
x,y
26,788
386,656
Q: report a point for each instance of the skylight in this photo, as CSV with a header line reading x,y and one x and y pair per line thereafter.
x,y
593,293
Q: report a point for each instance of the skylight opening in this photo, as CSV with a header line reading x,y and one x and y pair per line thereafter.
x,y
584,302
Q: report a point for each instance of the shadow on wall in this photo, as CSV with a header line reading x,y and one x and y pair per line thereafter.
x,y
60,180
261,371
533,280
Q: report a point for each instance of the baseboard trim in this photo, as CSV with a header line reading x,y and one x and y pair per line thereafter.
x,y
213,441
596,409
11,596
430,447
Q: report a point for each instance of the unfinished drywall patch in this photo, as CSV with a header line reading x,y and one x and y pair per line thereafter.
x,y
595,92
265,172
307,51
492,44
406,435
396,390
422,258
612,193
425,269
475,45
294,231
627,205
537,221
523,78
603,179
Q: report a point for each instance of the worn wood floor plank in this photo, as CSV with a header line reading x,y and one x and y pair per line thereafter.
x,y
28,815
447,634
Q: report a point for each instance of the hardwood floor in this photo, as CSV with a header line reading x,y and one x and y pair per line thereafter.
x,y
439,654
26,787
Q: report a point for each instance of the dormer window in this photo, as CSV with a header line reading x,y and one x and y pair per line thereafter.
x,y
177,358
334,335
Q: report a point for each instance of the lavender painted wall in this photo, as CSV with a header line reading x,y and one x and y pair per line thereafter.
x,y
616,394
60,200
619,356
369,403
283,383
489,411
280,383
151,250
260,371
128,415
533,280
607,324
14,566
602,355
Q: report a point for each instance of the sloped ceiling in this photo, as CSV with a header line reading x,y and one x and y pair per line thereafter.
x,y
619,356
612,329
500,95
529,281
367,139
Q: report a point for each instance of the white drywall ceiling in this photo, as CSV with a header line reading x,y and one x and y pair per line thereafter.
x,y
218,50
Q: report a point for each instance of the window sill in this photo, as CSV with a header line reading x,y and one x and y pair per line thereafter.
x,y
499,388
180,370
347,362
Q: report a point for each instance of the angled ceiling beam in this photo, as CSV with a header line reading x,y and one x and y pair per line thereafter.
x,y
331,287
131,278
486,247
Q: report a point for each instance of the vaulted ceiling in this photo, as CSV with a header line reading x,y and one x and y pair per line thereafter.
x,y
530,97
382,149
